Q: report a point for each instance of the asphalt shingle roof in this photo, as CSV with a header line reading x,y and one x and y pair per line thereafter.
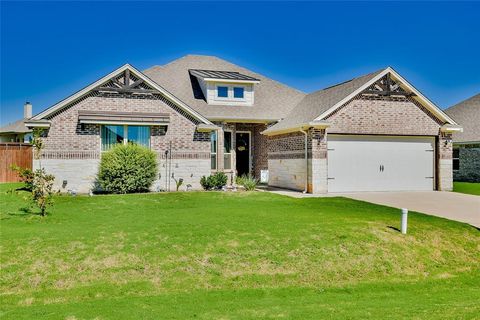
x,y
273,100
15,127
316,103
467,115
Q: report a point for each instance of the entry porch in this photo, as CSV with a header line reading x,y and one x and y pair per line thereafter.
x,y
239,149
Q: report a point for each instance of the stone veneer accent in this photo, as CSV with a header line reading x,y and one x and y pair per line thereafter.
x,y
444,162
287,167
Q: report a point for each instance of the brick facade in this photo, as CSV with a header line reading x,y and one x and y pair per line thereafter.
x,y
67,134
379,116
72,148
258,148
387,116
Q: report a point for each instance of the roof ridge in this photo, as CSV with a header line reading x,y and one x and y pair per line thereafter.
x,y
350,80
237,66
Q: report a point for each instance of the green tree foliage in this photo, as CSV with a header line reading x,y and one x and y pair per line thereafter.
x,y
127,169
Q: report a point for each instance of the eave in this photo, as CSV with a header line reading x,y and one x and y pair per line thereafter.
x,y
297,128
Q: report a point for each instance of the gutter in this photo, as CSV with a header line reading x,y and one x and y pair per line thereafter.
x,y
303,126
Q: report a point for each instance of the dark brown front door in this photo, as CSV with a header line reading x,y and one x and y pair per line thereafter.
x,y
243,153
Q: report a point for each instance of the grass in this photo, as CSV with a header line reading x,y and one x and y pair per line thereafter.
x,y
467,187
231,256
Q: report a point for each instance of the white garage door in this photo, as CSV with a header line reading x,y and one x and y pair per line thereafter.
x,y
378,163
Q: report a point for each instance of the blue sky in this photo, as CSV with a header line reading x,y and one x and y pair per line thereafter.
x,y
50,50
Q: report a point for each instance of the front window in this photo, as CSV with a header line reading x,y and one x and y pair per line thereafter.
x,y
139,135
238,92
213,150
227,155
114,134
456,159
222,92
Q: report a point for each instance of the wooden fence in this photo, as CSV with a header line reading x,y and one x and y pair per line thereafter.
x,y
12,153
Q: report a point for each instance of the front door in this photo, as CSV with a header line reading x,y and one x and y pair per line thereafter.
x,y
243,153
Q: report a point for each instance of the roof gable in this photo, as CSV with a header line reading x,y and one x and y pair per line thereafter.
x,y
110,83
317,106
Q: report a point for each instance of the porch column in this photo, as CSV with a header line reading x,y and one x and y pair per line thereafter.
x,y
445,162
317,164
220,148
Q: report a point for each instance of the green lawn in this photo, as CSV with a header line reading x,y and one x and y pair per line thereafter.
x,y
232,256
467,187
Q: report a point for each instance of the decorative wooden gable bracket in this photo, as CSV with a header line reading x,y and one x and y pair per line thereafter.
x,y
386,86
126,83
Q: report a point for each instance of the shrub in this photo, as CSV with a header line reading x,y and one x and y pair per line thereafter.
x,y
248,182
26,176
215,181
42,190
127,168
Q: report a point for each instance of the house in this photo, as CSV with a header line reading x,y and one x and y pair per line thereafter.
x,y
202,114
466,145
17,131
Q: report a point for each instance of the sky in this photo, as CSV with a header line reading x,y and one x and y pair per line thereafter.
x,y
50,50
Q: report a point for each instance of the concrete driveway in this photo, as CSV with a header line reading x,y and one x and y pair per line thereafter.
x,y
451,205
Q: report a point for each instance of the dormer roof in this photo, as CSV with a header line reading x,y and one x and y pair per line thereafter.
x,y
228,76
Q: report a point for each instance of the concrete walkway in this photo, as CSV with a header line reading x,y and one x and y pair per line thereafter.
x,y
451,205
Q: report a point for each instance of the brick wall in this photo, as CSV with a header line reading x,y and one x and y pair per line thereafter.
x,y
72,151
387,116
66,133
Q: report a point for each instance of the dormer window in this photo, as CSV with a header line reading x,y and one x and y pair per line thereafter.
x,y
226,87
238,92
230,92
222,92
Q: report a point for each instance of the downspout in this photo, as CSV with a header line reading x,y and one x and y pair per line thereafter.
x,y
306,160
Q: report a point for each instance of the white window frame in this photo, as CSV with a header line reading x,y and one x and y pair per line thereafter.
x,y
230,96
231,151
125,131
244,90
216,150
216,92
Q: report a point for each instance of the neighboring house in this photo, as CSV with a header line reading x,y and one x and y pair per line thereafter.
x,y
17,131
202,114
466,145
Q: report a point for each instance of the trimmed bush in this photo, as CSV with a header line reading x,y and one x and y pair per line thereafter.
x,y
248,182
127,168
214,182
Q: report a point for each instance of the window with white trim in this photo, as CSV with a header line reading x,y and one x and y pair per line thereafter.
x,y
227,150
213,150
123,134
238,92
222,92
230,92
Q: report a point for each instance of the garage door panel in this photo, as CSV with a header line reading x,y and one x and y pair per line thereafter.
x,y
374,163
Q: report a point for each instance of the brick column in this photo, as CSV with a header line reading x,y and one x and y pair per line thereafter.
x,y
444,162
317,167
